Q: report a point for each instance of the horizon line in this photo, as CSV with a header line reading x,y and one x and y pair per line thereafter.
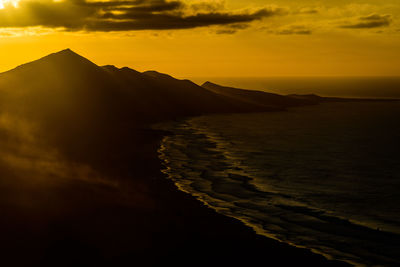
x,y
295,76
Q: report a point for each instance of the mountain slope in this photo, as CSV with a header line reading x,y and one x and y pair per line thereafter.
x,y
258,97
63,85
81,108
69,86
159,96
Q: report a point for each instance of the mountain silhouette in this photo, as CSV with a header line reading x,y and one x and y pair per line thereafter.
x,y
259,97
77,104
69,97
65,86
84,110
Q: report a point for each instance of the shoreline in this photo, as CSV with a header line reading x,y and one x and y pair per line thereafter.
x,y
221,225
190,155
144,221
178,150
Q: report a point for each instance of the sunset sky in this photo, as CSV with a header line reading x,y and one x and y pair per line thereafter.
x,y
190,38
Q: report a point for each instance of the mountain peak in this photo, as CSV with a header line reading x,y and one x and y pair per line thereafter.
x,y
63,59
66,53
207,83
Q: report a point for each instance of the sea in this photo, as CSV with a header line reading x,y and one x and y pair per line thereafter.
x,y
324,177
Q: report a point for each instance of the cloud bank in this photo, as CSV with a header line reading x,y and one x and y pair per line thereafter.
x,y
124,15
370,21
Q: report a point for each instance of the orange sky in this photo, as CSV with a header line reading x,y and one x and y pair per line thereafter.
x,y
210,38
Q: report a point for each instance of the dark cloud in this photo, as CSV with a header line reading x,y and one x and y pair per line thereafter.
x,y
207,6
132,20
120,15
370,21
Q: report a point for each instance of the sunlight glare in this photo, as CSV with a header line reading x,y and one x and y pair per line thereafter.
x,y
4,3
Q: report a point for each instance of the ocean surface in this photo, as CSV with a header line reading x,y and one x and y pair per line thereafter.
x,y
324,177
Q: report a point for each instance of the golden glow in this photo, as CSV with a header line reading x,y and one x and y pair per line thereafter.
x,y
4,3
308,38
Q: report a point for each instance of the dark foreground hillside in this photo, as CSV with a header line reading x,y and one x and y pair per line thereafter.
x,y
80,180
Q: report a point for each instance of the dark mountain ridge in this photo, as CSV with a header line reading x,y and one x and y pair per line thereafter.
x,y
65,86
259,97
66,82
84,110
71,99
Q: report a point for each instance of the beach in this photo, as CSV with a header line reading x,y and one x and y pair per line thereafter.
x,y
144,221
321,177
